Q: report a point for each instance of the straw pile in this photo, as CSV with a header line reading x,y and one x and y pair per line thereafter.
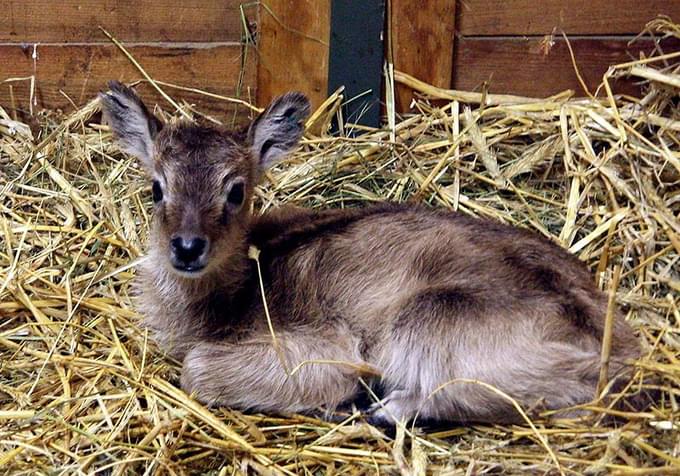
x,y
83,389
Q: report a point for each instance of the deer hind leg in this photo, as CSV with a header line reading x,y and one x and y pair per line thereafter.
x,y
443,338
565,377
250,375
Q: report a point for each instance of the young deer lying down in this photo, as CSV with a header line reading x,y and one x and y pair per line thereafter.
x,y
421,296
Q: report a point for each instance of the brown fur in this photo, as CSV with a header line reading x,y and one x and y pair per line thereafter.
x,y
422,296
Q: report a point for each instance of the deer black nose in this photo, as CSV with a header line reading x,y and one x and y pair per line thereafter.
x,y
188,250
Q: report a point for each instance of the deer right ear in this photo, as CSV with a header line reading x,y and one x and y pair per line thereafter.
x,y
132,124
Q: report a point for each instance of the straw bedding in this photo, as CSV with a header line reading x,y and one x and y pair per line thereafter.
x,y
84,390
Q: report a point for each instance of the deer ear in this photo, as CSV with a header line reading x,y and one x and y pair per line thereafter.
x,y
279,128
132,124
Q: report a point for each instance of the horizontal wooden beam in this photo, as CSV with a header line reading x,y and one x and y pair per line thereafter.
x,y
537,68
576,17
138,20
66,73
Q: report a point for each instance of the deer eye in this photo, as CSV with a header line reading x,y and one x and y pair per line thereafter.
x,y
156,191
236,195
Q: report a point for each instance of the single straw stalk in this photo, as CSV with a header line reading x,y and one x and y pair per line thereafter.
x,y
608,330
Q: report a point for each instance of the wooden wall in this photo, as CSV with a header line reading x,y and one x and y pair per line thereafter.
x,y
507,46
517,45
187,42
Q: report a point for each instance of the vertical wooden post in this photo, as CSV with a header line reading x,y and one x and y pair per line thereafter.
x,y
421,39
293,49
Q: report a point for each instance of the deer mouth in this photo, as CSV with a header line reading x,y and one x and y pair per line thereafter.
x,y
189,271
189,268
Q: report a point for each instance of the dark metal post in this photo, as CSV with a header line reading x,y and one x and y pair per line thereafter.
x,y
356,57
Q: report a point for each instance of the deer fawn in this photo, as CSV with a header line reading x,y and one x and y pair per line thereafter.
x,y
422,297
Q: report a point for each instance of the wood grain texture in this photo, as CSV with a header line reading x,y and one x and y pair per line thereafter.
x,y
293,49
422,37
576,17
529,67
128,20
81,71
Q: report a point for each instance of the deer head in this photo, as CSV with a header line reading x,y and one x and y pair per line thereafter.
x,y
202,178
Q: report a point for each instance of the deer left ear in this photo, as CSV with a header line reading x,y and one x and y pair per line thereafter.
x,y
278,129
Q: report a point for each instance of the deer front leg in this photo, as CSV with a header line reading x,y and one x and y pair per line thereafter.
x,y
250,375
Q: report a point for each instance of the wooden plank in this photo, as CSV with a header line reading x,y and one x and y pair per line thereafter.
x,y
81,71
422,36
293,49
529,67
576,17
128,20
